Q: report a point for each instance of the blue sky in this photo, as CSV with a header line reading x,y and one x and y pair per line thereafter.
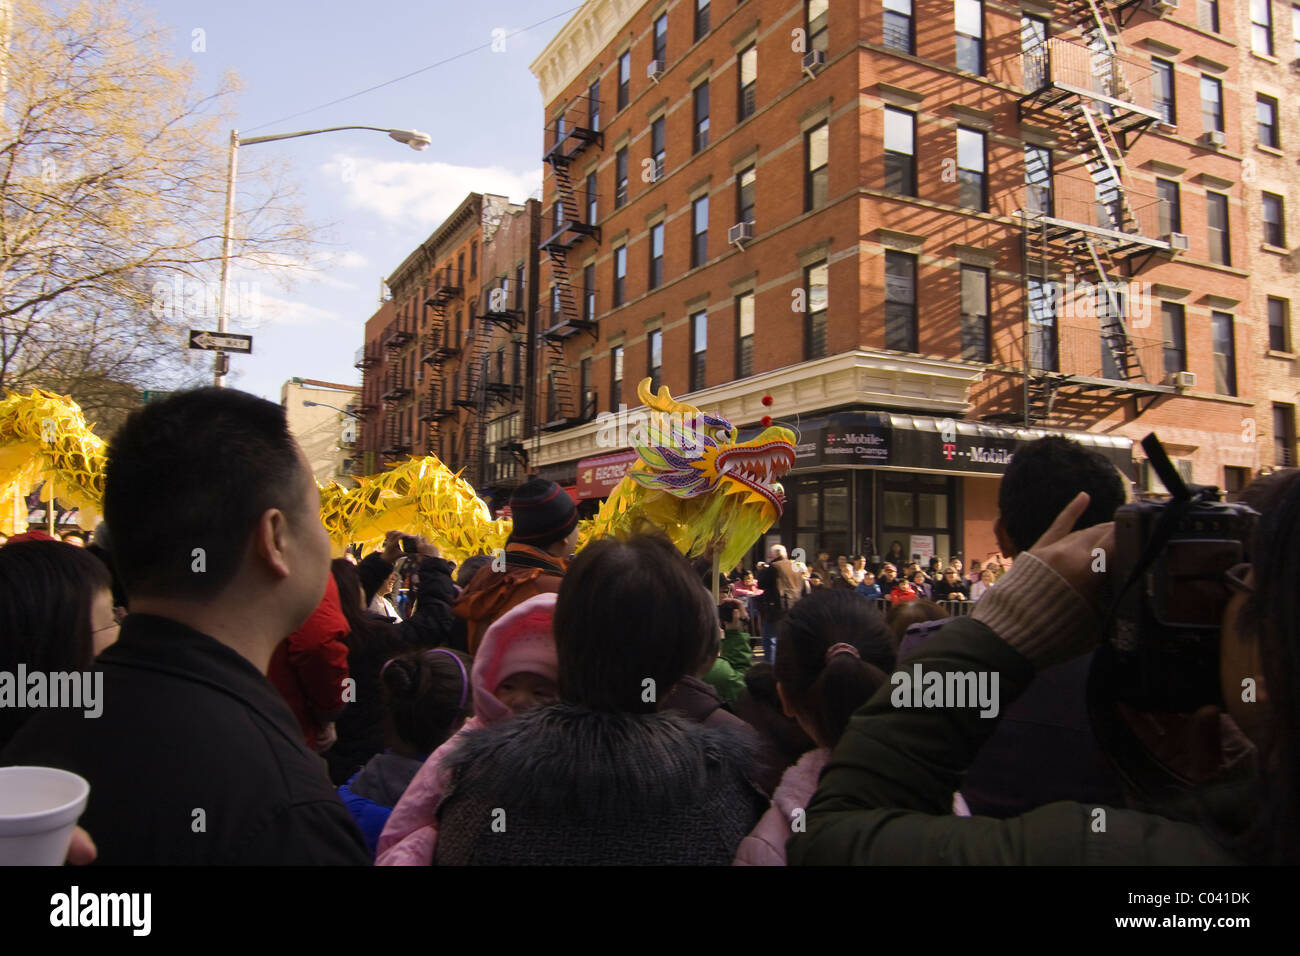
x,y
377,197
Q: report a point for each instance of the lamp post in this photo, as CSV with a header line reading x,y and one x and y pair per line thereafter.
x,y
412,138
341,411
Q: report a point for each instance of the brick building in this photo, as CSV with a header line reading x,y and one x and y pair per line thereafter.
x,y
929,229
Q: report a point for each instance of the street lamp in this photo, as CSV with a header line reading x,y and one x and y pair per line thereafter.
x,y
412,138
341,411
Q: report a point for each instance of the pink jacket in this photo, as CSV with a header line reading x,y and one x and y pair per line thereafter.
x,y
520,640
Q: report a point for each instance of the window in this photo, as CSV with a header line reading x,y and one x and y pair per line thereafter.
x,y
970,169
1279,324
655,274
615,377
588,395
1225,353
620,275
815,281
473,259
900,301
1211,104
975,334
1261,26
817,15
620,178
1170,206
591,199
700,112
1295,32
559,129
589,292
745,185
1266,121
1162,90
900,152
745,335
1235,479
699,343
747,71
1207,15
1283,435
969,19
660,53
816,149
701,18
1174,319
1033,51
655,357
657,147
519,287
460,268
700,231
897,25
1274,220
1038,180
624,78
1042,326
593,106
1217,227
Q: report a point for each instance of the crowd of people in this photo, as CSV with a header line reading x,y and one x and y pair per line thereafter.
x,y
264,703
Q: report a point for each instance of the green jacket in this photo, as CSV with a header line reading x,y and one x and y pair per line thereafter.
x,y
727,676
885,796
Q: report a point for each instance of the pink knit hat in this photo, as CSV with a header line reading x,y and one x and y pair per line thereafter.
x,y
520,640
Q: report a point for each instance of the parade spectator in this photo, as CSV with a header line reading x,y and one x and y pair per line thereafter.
x,y
218,540
309,669
903,616
56,615
903,592
896,555
425,697
887,579
430,621
979,588
759,706
544,532
921,585
859,569
951,587
815,581
843,579
726,674
602,777
782,586
975,572
822,678
515,671
869,588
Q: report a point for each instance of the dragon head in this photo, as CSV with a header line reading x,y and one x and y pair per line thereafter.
x,y
687,453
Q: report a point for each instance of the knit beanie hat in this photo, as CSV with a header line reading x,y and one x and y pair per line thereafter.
x,y
543,513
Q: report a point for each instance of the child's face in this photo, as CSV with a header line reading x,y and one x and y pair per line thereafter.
x,y
526,690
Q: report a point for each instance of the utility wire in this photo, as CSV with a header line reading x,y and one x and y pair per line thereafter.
x,y
407,76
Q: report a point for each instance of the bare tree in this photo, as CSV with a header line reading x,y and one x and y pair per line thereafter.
x,y
112,180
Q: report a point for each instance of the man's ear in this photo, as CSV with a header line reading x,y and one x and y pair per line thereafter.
x,y
1004,540
271,541
785,701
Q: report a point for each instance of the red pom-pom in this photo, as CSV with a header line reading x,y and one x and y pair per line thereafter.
x,y
767,421
767,400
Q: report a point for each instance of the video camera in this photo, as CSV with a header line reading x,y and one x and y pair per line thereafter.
x,y
1170,591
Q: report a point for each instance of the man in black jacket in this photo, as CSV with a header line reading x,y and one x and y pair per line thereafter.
x,y
195,759
782,586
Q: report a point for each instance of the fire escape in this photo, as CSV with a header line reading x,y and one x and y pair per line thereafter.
x,y
436,348
1092,218
397,441
367,357
499,307
573,220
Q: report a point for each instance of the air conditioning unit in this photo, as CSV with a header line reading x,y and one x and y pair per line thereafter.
x,y
1215,138
1163,6
814,61
653,70
1181,379
1178,241
740,232
348,435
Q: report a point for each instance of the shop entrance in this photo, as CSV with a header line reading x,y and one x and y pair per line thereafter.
x,y
822,515
919,511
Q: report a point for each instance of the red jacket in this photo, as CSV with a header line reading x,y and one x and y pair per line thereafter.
x,y
310,665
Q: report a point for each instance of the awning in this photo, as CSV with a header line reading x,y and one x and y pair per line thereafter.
x,y
924,443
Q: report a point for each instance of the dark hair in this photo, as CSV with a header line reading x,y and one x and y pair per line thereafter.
x,y
1044,476
1273,614
363,628
426,696
470,567
828,691
903,616
46,590
606,648
727,607
197,470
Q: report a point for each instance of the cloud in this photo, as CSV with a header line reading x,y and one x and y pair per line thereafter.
x,y
423,192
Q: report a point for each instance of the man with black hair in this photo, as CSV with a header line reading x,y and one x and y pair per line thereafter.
x,y
1044,748
217,539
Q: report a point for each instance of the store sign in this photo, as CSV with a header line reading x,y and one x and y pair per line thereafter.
x,y
597,477
845,440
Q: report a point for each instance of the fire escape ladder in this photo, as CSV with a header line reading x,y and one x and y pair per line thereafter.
x,y
1110,316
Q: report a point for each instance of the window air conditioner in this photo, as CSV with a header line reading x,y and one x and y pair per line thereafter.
x,y
1181,379
654,69
1178,241
1215,138
740,232
813,61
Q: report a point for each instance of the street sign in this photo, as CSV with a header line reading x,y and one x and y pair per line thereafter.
x,y
223,341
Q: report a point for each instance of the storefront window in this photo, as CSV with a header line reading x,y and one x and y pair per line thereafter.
x,y
917,510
